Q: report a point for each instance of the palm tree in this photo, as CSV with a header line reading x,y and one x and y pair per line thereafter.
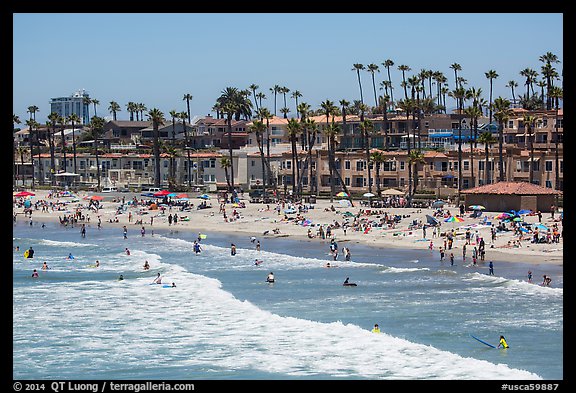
x,y
312,129
328,108
95,102
114,108
15,120
32,110
487,139
372,69
229,101
303,110
502,114
74,119
31,123
491,75
284,90
474,113
530,75
171,151
141,108
549,73
53,117
285,111
529,125
542,84
389,63
62,123
414,158
261,96
157,118
225,164
87,101
459,94
293,131
253,87
556,93
97,130
275,90
358,67
377,158
404,68
183,116
367,127
296,94
131,108
174,115
266,114
188,97
456,67
512,84
258,127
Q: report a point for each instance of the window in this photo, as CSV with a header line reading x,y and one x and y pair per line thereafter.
x,y
466,166
359,165
347,165
548,166
347,181
510,124
252,163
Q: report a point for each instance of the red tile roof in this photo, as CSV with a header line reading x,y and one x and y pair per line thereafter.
x,y
512,188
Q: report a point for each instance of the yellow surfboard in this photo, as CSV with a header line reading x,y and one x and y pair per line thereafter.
x,y
26,254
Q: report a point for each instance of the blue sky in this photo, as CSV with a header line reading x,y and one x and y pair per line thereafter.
x,y
157,58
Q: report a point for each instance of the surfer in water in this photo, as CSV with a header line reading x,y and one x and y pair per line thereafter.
x,y
347,283
503,343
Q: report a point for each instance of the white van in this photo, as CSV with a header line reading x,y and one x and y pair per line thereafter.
x,y
109,189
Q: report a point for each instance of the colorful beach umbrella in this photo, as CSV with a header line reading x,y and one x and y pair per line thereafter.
x,y
24,194
454,219
342,194
476,207
503,216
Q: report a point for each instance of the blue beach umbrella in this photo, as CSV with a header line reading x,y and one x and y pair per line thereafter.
x,y
204,196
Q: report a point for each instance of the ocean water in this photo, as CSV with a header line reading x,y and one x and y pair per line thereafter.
x,y
223,321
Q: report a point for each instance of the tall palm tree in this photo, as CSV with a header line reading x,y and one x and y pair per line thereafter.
x,y
530,76
53,121
312,129
459,94
456,67
141,108
377,158
367,127
556,94
226,164
174,115
95,102
303,110
62,124
529,125
358,67
372,69
491,75
86,101
415,158
229,101
156,116
474,113
487,139
31,123
258,127
389,63
261,96
275,90
32,109
296,94
15,120
97,130
284,90
512,84
502,114
328,109
74,119
114,108
253,87
183,116
285,111
293,131
265,114
404,68
549,72
188,97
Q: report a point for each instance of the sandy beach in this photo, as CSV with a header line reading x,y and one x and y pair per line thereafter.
x,y
262,221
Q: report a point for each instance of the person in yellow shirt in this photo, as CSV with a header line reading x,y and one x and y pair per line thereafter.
x,y
503,343
376,329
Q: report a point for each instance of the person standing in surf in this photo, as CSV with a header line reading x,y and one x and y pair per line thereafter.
x,y
503,343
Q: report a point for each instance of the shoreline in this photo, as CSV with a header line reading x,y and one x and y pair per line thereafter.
x,y
260,220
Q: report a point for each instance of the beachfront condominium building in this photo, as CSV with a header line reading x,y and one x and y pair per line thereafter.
x,y
78,103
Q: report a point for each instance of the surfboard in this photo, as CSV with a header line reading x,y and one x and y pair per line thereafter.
x,y
26,254
482,341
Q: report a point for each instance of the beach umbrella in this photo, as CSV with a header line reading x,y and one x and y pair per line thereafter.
x,y
431,220
204,196
369,195
342,194
24,194
392,191
96,197
438,203
476,207
525,211
517,219
503,216
290,211
183,195
541,227
162,193
345,203
454,219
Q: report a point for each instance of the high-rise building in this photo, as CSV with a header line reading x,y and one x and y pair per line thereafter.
x,y
78,103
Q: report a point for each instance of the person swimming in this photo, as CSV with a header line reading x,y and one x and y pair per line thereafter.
x,y
35,273
376,329
146,265
270,277
347,283
257,262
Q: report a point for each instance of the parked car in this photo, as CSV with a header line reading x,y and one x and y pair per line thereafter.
x,y
109,189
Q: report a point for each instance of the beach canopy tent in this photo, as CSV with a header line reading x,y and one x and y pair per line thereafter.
x,y
345,203
369,195
392,191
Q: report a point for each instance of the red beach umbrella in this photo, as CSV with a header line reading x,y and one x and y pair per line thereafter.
x,y
24,194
